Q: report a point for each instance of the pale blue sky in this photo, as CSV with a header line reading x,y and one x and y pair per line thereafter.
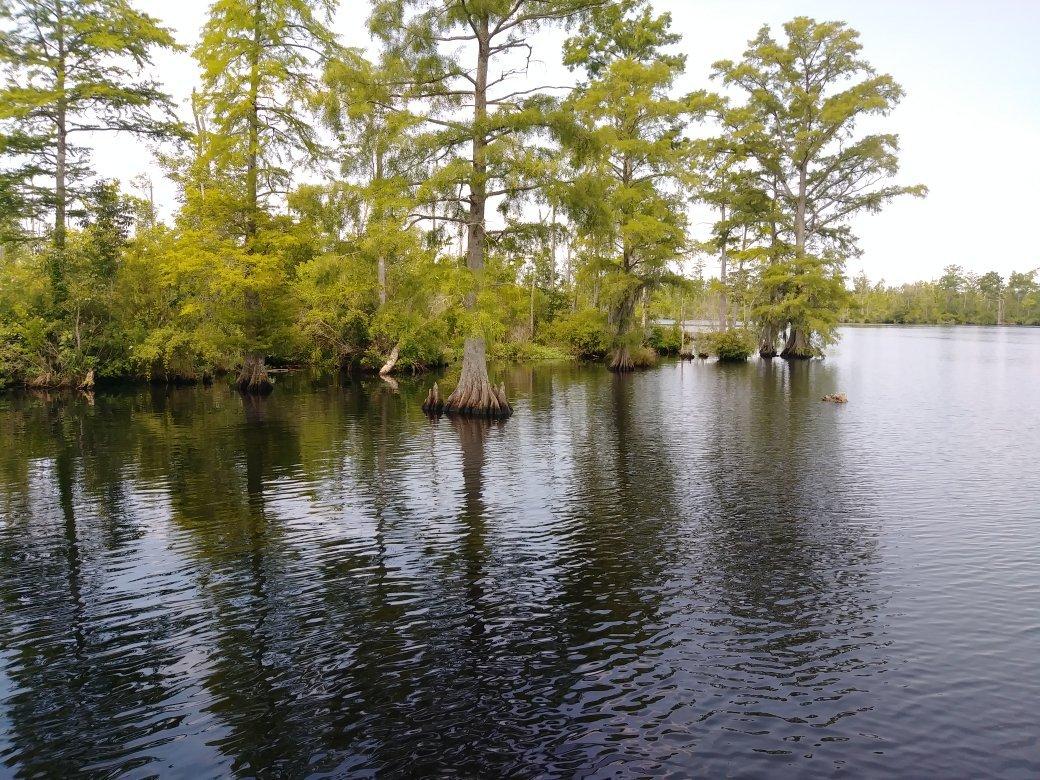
x,y
970,124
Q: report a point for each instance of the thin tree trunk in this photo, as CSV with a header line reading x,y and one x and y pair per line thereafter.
x,y
740,276
723,280
552,250
57,261
682,328
532,300
624,314
770,330
381,262
570,274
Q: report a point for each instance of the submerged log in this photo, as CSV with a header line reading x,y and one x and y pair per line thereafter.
x,y
836,398
253,377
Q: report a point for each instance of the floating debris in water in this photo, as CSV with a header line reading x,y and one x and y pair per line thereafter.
x,y
836,398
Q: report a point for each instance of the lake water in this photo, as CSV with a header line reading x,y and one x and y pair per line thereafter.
x,y
695,570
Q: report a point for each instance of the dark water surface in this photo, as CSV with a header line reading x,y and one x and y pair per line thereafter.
x,y
699,570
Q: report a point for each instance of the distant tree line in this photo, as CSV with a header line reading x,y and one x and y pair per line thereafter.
x,y
958,297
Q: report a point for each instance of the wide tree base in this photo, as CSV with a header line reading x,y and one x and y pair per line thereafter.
x,y
797,346
767,342
625,359
253,377
474,396
473,399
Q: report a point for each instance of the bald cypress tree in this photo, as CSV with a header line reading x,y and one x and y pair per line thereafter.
x,y
799,131
72,68
633,164
462,55
261,62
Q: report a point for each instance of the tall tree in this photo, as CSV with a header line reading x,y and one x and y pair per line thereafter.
x,y
73,67
261,63
462,55
633,164
805,99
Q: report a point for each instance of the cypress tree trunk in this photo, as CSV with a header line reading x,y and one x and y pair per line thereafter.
x,y
767,341
378,217
624,315
475,395
621,360
797,346
621,357
723,277
770,329
253,377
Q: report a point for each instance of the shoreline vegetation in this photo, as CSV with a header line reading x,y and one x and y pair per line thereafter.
x,y
430,205
700,350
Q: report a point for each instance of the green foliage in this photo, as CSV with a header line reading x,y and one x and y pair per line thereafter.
x,y
729,346
71,69
665,341
526,352
74,68
584,334
393,252
258,60
632,164
807,293
792,167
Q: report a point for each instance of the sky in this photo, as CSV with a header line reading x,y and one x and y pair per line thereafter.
x,y
969,125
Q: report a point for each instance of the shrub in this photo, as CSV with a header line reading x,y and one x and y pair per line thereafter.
x,y
525,352
421,344
729,346
665,341
643,357
583,334
15,362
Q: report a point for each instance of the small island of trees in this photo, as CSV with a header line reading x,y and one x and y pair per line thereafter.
x,y
429,202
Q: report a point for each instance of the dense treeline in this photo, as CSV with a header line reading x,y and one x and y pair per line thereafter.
x,y
430,203
958,297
